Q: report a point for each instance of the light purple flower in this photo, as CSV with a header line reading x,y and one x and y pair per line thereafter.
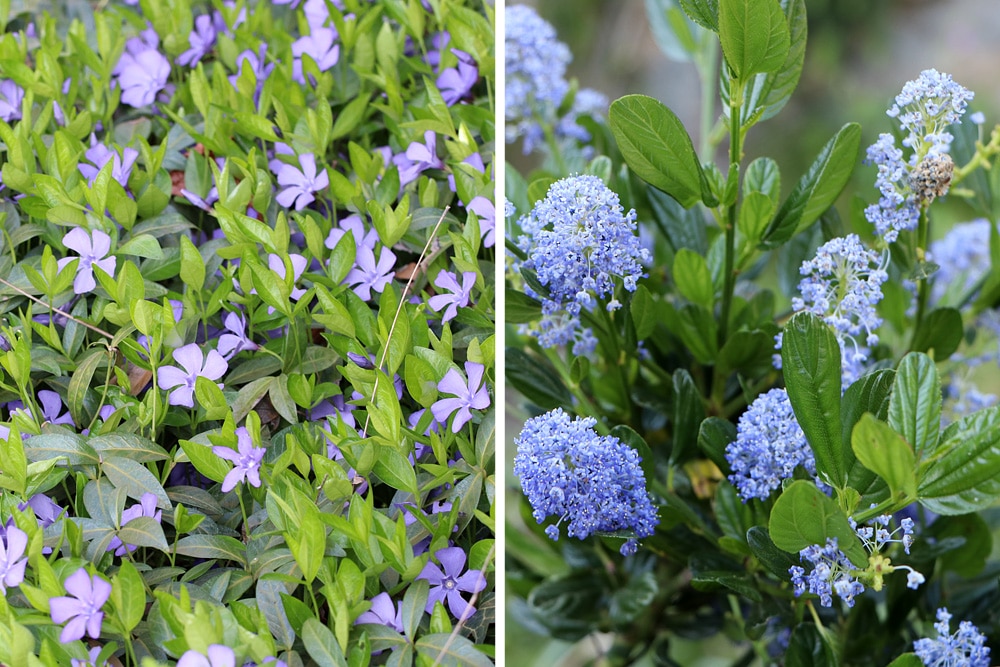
x,y
300,184
91,661
218,656
12,559
11,96
459,297
383,612
299,264
354,225
367,275
45,509
145,507
247,459
418,158
201,39
93,249
317,14
333,407
319,45
473,395
236,341
475,161
142,72
447,583
455,83
51,405
89,593
100,155
486,212
257,64
195,364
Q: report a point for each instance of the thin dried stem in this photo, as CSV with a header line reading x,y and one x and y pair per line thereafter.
x,y
56,310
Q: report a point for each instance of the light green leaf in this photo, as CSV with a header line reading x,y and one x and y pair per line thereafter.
x,y
693,279
883,451
803,515
915,403
754,35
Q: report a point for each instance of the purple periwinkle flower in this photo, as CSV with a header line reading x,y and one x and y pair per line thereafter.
x,y
247,459
218,656
300,184
202,40
355,226
93,249
12,559
99,154
145,507
320,46
51,406
473,395
486,212
447,582
459,297
257,64
11,96
456,83
299,264
195,364
418,158
367,275
142,72
45,509
92,655
236,341
83,609
383,612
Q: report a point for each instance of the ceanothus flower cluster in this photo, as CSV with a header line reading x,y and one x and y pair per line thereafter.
x,y
594,482
842,285
924,108
963,258
965,648
581,245
834,574
769,446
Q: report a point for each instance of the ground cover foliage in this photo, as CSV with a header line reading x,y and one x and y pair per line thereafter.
x,y
247,333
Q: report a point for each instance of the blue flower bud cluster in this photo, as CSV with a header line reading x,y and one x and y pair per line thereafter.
x,y
965,648
769,446
843,285
593,482
581,245
925,108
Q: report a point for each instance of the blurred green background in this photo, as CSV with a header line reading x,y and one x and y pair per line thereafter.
x,y
859,55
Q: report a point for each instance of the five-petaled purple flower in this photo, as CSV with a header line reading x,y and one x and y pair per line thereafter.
x,y
418,157
93,249
355,226
201,39
319,45
447,583
145,507
12,560
459,297
247,459
473,395
142,71
218,656
11,96
51,406
234,342
367,275
89,593
195,364
100,155
383,612
456,82
300,184
486,212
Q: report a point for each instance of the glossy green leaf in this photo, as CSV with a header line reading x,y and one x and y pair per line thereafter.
x,y
940,333
803,515
869,394
714,434
144,531
205,461
693,280
536,378
128,474
915,404
703,12
885,452
321,645
771,557
964,476
808,647
754,35
686,413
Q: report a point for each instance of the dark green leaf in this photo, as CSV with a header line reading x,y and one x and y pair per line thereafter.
x,y
687,412
964,475
740,583
643,312
714,435
451,651
519,308
868,394
144,531
212,546
536,379
771,557
940,333
809,648
132,476
322,645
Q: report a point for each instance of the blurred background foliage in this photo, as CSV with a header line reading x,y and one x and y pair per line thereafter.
x,y
859,54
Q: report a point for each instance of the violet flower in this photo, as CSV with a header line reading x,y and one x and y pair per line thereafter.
x,y
316,13
51,405
91,661
333,407
142,70
447,583
473,395
319,45
93,249
100,155
475,161
202,40
456,83
299,264
11,96
367,275
89,593
231,344
383,612
45,509
256,62
218,656
300,184
418,158
145,507
486,212
12,558
195,364
247,459
459,297
354,225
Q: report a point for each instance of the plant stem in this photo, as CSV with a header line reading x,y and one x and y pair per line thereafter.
x,y
923,287
735,151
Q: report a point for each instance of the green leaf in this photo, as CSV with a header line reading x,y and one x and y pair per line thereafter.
x,y
915,404
80,382
450,650
964,473
714,434
205,461
657,148
321,645
810,359
703,12
128,595
52,445
803,515
818,188
940,333
213,546
132,476
754,35
537,379
771,557
395,470
142,245
693,279
675,34
907,660
144,531
631,600
869,394
883,451
686,414
308,544
809,648
192,264
642,308
519,308
741,583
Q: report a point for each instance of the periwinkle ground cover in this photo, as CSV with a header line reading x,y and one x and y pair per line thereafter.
x,y
247,337
752,420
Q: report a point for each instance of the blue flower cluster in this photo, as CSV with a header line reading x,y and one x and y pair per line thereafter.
x,y
842,285
925,108
966,648
581,245
963,258
535,68
569,471
769,446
